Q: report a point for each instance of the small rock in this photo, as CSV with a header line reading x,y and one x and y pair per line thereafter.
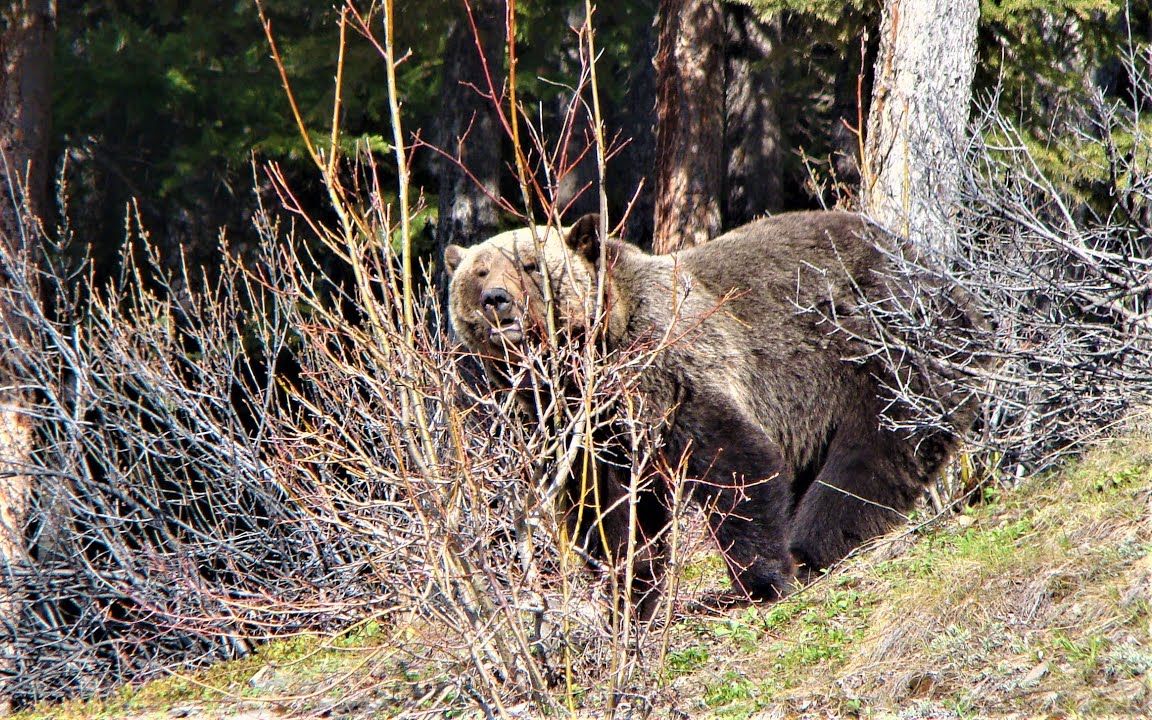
x,y
1035,674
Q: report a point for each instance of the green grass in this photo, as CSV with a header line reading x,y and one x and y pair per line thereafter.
x,y
207,687
683,662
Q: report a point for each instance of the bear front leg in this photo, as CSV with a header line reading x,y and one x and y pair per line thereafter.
x,y
865,487
745,487
747,521
601,526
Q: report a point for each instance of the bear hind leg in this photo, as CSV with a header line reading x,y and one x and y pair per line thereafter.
x,y
758,570
601,526
864,489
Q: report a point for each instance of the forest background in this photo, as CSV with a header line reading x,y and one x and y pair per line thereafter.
x,y
170,104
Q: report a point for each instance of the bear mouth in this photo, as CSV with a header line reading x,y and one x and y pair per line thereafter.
x,y
507,332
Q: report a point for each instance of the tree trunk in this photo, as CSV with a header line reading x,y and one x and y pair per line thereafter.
x,y
576,185
468,129
851,95
918,116
689,134
26,46
753,138
634,167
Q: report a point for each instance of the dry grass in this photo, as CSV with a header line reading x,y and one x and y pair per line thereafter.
x,y
1036,603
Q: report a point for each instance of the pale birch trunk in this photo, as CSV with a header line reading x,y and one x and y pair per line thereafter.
x,y
917,122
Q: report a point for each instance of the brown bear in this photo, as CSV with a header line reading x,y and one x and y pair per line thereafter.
x,y
760,380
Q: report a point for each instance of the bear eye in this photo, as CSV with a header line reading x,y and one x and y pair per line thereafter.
x,y
482,272
530,267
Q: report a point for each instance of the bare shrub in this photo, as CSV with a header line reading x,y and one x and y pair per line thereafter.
x,y
1062,275
287,444
1068,281
277,451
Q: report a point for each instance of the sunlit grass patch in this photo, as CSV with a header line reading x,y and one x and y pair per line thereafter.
x,y
1033,601
1026,599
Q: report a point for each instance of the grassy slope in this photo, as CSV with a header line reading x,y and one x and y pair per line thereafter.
x,y
1037,603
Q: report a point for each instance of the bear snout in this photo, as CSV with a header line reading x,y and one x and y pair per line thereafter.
x,y
496,301
500,310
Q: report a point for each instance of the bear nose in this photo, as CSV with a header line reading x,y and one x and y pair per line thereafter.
x,y
496,300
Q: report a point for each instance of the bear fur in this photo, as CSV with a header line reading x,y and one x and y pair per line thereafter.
x,y
774,409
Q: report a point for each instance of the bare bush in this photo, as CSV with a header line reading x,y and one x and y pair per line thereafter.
x,y
1070,283
286,444
1063,277
278,452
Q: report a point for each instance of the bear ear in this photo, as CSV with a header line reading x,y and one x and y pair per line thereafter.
x,y
453,256
584,238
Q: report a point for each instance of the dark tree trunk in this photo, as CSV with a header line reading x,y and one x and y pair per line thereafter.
x,y
26,41
752,132
689,134
636,161
468,129
577,183
851,94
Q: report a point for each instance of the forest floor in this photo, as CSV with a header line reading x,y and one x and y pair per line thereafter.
x,y
1035,602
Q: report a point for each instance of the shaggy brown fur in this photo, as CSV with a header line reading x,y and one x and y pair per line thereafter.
x,y
757,390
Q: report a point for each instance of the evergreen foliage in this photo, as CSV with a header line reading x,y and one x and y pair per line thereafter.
x,y
167,103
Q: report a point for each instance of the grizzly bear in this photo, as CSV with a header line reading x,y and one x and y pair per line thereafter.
x,y
759,380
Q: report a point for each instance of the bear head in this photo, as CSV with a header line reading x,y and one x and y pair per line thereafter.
x,y
499,289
